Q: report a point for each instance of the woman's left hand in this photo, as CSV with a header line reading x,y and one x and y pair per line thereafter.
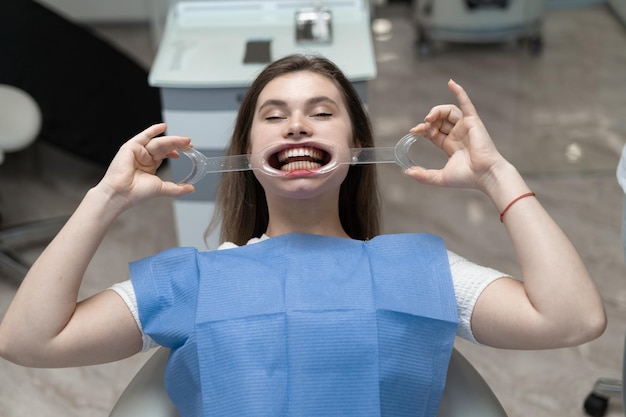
x,y
556,303
460,133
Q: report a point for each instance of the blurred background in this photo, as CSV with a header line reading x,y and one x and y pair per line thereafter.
x,y
551,91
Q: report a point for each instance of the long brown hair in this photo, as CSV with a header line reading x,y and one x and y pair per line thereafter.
x,y
241,207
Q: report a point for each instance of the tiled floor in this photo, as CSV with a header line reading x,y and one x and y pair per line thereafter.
x,y
560,117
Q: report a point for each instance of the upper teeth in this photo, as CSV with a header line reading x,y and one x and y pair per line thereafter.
x,y
304,158
308,152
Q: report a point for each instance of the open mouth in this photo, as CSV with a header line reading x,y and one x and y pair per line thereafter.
x,y
301,158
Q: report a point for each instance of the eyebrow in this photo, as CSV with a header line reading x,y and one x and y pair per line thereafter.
x,y
312,100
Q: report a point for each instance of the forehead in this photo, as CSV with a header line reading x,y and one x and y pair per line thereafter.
x,y
300,84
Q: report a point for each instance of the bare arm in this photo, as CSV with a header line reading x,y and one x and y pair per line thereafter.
x,y
45,326
556,304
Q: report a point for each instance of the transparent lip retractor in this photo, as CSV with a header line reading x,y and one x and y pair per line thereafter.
x,y
202,165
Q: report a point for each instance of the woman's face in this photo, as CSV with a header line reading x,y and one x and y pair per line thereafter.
x,y
301,114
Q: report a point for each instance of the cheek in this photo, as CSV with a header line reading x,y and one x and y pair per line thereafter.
x,y
262,179
258,139
253,144
352,141
254,137
340,174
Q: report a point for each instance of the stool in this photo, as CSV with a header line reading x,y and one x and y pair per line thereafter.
x,y
20,119
20,124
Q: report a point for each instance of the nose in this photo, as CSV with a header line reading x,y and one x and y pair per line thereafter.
x,y
298,127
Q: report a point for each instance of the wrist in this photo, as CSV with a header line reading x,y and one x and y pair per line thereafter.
x,y
504,184
105,203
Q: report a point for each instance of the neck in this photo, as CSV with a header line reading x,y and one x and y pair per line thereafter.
x,y
305,216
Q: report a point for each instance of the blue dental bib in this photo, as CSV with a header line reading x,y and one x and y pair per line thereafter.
x,y
303,325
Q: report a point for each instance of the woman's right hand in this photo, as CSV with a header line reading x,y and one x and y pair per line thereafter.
x,y
130,178
45,325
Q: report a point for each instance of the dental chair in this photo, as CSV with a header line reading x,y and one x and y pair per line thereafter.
x,y
466,393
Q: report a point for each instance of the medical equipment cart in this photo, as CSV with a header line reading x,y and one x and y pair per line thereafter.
x,y
478,21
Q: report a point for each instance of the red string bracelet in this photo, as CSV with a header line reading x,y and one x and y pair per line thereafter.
x,y
513,202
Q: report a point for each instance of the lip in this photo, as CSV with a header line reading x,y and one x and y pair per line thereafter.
x,y
295,159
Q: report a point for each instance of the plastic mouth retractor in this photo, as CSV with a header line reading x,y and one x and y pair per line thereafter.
x,y
203,165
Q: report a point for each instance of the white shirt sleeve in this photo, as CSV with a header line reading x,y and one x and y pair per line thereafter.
x,y
469,280
127,292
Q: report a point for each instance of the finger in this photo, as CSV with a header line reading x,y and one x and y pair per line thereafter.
x,y
432,130
444,112
165,146
443,127
419,129
150,133
466,105
426,176
171,189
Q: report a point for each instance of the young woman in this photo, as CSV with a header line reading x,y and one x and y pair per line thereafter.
x,y
306,309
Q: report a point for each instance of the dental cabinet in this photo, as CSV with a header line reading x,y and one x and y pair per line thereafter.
x,y
209,54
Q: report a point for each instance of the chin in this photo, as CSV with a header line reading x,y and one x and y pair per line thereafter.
x,y
303,185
